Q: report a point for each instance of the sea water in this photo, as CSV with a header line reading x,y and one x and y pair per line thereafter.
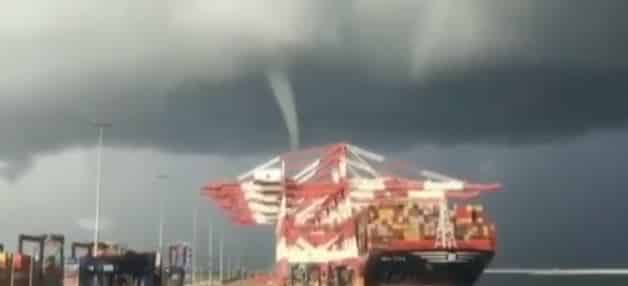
x,y
524,280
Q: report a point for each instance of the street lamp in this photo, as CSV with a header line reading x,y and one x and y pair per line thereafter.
x,y
221,247
101,127
194,243
161,214
210,252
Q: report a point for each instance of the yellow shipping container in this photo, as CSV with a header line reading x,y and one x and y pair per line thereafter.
x,y
470,233
3,259
386,213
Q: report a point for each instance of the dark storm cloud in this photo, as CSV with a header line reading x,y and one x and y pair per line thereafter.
x,y
187,78
501,105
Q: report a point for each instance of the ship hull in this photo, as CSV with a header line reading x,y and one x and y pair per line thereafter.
x,y
453,268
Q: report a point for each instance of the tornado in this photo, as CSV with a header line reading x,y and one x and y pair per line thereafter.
x,y
282,90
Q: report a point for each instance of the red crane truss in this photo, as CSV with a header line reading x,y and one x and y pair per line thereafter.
x,y
312,196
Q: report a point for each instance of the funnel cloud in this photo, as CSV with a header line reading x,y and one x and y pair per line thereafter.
x,y
280,84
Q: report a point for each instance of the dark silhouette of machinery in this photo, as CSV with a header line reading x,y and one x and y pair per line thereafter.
x,y
115,265
86,247
46,257
179,262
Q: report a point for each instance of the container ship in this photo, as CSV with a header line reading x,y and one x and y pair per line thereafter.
x,y
347,216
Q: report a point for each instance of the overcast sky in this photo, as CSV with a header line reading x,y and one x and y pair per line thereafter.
x,y
528,93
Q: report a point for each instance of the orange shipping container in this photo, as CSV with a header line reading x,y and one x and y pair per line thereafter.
x,y
464,221
3,260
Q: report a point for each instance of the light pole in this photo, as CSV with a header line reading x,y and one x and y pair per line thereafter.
x,y
161,215
221,254
101,127
227,263
194,243
210,253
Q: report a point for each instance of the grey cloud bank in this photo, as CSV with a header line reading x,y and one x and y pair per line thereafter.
x,y
186,76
